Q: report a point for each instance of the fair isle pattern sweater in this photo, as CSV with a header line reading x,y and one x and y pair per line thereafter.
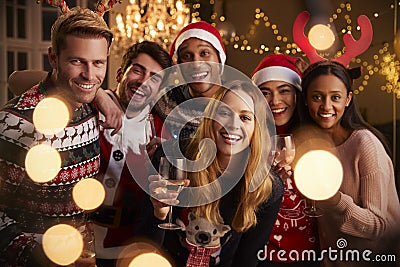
x,y
27,208
368,212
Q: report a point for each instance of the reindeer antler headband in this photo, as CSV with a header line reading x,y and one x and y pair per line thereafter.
x,y
101,8
353,47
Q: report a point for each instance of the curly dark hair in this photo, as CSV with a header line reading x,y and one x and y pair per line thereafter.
x,y
154,50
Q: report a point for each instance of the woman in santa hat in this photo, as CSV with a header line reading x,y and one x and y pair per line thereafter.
x,y
279,79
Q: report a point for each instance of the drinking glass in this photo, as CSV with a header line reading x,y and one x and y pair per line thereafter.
x,y
149,134
283,148
88,251
172,170
150,129
311,210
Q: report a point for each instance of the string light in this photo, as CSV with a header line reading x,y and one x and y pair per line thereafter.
x,y
380,64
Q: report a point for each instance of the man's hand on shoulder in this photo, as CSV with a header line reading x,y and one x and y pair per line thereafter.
x,y
111,111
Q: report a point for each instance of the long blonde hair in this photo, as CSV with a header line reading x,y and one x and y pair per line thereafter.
x,y
256,169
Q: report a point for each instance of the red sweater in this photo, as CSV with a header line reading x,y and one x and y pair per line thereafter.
x,y
293,231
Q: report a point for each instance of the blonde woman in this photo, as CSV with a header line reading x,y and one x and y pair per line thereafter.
x,y
236,188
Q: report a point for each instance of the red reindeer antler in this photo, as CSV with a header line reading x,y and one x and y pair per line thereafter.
x,y
105,5
58,3
302,40
102,5
353,47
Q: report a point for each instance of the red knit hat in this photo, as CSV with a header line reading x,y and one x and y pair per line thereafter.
x,y
277,68
203,31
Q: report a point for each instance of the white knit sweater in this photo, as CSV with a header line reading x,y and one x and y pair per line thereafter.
x,y
367,216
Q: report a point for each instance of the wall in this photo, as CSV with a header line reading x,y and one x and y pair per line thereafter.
x,y
374,103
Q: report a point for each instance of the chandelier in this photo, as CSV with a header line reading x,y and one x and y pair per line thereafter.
x,y
151,20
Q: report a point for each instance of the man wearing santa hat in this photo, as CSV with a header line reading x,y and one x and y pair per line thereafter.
x,y
200,51
279,78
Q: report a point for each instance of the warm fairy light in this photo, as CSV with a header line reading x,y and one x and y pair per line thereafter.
x,y
131,255
88,194
149,260
50,116
42,163
343,11
158,21
318,174
321,37
62,244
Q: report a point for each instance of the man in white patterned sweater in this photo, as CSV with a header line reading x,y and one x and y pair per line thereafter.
x,y
78,56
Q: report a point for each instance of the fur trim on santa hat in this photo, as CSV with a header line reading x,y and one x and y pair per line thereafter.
x,y
277,68
203,31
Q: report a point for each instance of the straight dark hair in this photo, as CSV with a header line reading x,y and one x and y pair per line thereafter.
x,y
352,118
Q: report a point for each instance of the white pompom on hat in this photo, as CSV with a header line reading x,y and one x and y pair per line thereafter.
x,y
203,31
277,68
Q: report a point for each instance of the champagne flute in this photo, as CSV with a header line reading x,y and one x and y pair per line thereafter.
x,y
150,130
172,170
88,254
149,134
311,210
88,242
283,148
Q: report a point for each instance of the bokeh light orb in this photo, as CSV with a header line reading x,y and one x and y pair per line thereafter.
x,y
226,29
318,174
42,163
321,37
135,249
62,244
50,116
149,260
88,194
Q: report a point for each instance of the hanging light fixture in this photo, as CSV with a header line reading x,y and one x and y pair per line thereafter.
x,y
152,20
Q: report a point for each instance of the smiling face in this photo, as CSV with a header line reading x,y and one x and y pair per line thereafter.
x,y
138,86
326,100
281,97
233,124
79,69
203,77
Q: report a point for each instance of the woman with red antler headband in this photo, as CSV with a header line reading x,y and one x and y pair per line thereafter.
x,y
361,219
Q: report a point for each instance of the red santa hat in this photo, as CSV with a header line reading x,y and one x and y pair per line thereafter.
x,y
203,31
277,68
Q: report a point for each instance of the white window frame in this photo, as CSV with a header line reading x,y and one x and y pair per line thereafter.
x,y
32,45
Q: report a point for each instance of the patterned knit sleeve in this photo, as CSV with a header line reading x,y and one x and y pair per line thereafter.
x,y
372,208
16,247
